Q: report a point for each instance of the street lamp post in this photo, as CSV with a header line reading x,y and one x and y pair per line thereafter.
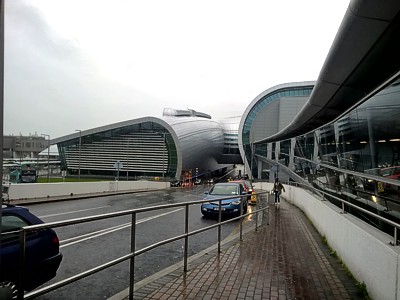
x,y
21,152
48,157
163,159
79,159
251,163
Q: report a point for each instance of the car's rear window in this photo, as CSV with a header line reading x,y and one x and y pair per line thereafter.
x,y
10,224
225,190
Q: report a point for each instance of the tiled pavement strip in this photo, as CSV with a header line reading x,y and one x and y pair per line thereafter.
x,y
283,260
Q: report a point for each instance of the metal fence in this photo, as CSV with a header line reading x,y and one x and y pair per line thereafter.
x,y
346,204
24,231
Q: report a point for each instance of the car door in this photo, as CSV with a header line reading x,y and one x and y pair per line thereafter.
x,y
38,248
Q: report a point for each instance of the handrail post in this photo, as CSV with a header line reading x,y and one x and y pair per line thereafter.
x,y
185,254
241,218
256,212
132,260
267,195
395,236
22,256
219,225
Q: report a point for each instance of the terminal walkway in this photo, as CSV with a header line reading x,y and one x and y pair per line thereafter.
x,y
286,259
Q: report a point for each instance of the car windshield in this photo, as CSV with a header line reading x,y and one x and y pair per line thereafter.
x,y
224,190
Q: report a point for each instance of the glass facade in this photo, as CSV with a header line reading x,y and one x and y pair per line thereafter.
x,y
356,158
230,127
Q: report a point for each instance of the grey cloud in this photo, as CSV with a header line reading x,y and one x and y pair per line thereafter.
x,y
51,86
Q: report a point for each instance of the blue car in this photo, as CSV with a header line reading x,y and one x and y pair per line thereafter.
x,y
42,255
229,207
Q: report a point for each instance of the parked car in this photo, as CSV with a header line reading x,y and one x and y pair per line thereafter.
x,y
176,183
247,186
210,181
253,198
387,172
229,207
42,255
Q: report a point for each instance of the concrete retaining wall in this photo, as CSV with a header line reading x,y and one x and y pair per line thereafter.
x,y
364,249
43,190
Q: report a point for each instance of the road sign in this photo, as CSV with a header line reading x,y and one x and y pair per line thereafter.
x,y
118,165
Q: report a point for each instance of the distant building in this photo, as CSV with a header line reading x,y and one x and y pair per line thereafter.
x,y
180,144
20,147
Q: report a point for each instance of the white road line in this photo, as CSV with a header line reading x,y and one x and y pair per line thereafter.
x,y
98,233
74,211
92,233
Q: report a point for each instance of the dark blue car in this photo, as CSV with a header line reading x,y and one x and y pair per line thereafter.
x,y
42,250
229,207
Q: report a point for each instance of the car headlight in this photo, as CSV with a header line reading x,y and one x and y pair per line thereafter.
x,y
236,202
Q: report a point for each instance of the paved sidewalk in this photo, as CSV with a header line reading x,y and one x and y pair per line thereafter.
x,y
283,260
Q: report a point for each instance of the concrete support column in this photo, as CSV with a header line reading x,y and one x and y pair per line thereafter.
x,y
269,151
259,169
337,140
291,153
277,151
316,144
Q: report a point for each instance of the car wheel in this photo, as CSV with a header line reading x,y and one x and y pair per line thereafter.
x,y
8,290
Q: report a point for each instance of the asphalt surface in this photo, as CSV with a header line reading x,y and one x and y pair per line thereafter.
x,y
87,245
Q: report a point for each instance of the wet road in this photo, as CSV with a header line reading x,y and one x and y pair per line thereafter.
x,y
87,245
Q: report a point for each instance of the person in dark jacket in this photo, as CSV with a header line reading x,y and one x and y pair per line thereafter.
x,y
277,189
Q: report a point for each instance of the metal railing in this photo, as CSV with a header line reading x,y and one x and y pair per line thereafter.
x,y
24,231
324,195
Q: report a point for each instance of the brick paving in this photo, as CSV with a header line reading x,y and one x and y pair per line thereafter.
x,y
283,260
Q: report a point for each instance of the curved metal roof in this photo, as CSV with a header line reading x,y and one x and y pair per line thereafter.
x,y
363,59
198,140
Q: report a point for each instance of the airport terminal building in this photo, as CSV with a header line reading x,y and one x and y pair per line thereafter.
x,y
181,144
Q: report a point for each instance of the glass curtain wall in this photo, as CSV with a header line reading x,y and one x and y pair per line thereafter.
x,y
340,156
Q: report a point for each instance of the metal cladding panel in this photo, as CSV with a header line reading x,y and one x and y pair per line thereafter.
x,y
230,124
200,141
266,122
289,108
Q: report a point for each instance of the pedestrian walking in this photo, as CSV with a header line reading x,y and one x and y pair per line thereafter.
x,y
278,188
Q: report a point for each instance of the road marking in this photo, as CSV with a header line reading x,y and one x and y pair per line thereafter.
x,y
101,232
74,211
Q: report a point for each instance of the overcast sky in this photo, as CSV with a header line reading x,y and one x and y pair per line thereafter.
x,y
80,64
